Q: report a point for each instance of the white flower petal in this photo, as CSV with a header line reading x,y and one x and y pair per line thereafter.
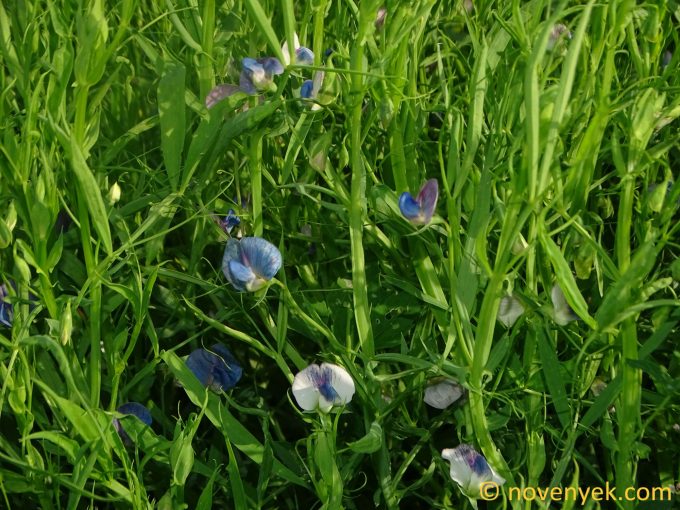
x,y
459,470
304,389
442,395
469,469
562,312
341,382
509,310
286,51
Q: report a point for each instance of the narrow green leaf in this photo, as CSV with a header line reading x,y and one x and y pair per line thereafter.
x,y
171,112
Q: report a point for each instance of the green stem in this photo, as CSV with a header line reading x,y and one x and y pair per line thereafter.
x,y
255,154
357,204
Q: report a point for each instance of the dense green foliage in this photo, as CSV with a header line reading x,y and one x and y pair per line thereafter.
x,y
557,162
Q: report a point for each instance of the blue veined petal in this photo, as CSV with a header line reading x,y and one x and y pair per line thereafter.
x,y
322,387
307,89
271,66
469,469
246,84
231,252
304,56
261,256
408,206
251,65
427,198
219,93
215,368
240,276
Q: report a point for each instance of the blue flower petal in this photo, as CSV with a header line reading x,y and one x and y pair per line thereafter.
x,y
138,410
240,276
408,206
427,198
307,89
6,309
230,221
261,256
272,66
216,368
135,409
304,56
246,84
251,65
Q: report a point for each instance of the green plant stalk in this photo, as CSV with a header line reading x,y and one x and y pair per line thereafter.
x,y
95,305
205,70
480,356
357,204
255,153
628,408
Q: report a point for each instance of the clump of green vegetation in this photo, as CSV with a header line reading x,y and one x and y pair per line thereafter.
x,y
419,246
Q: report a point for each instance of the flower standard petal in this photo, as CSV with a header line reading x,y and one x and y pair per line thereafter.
x,y
420,210
563,314
322,387
469,469
441,395
261,256
305,388
304,56
215,368
509,310
342,383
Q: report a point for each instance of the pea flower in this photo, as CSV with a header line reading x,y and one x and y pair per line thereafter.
x,y
322,387
216,368
6,308
419,210
303,56
509,310
469,469
250,263
556,34
442,394
257,74
134,409
310,89
229,222
563,314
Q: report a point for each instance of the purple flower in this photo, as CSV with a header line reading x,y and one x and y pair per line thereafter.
x,y
250,263
219,93
216,368
419,210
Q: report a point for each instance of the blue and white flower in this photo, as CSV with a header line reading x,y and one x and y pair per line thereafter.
x,y
250,263
303,56
134,409
420,210
258,74
469,469
229,222
563,314
322,387
216,368
509,310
